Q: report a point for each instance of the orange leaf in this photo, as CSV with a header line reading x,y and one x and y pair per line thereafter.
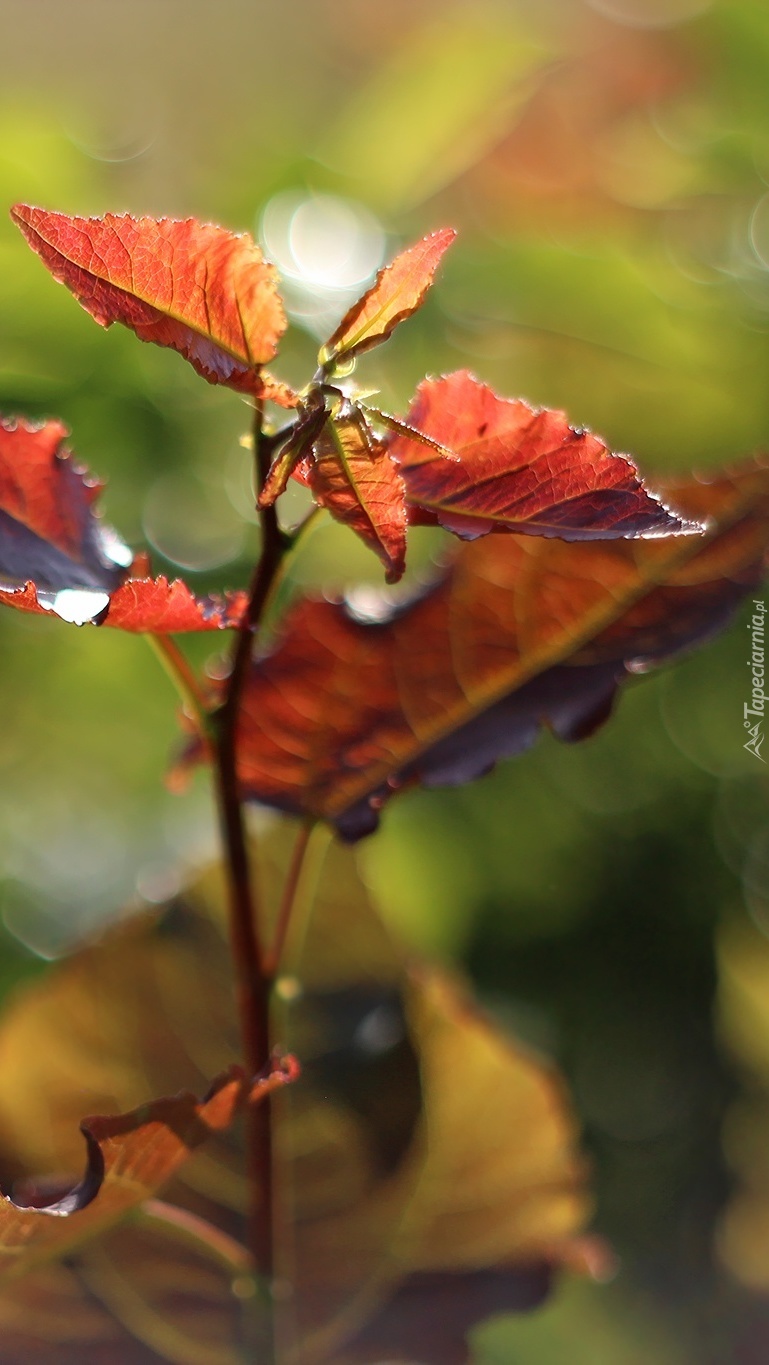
x,y
197,288
353,476
132,1298
519,469
155,606
399,289
130,1156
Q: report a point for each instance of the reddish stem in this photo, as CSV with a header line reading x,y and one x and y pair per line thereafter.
x,y
253,980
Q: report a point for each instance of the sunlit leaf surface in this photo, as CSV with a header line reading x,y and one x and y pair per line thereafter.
x,y
198,288
152,606
49,530
400,288
518,468
353,476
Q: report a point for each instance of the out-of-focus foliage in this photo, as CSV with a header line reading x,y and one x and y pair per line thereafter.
x,y
354,703
427,1171
607,165
129,1157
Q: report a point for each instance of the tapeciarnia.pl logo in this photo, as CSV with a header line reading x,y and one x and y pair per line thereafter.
x,y
754,710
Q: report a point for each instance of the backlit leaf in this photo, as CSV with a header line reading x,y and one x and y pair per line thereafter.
x,y
397,292
153,605
480,1206
150,606
352,475
205,292
520,632
519,469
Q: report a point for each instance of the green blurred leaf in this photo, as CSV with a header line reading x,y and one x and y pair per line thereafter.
x,y
433,108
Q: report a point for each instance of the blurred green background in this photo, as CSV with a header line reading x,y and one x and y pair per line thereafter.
x,y
607,165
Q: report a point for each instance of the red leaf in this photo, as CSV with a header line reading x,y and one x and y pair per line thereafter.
x,y
521,631
57,556
519,469
157,607
399,289
148,606
296,454
49,530
353,476
197,288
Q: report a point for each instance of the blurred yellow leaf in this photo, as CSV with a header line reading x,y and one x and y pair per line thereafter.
x,y
426,1165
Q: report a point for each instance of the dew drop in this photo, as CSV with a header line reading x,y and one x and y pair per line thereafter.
x,y
78,606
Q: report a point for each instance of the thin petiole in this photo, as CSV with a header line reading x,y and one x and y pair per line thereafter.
x,y
179,669
191,1230
274,953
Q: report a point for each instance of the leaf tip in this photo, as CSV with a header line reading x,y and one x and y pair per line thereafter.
x,y
669,522
395,569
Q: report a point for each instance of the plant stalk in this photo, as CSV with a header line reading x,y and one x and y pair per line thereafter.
x,y
253,979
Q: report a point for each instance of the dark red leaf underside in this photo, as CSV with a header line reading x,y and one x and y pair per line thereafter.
x,y
353,476
205,292
295,453
57,556
519,469
522,631
49,530
399,289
